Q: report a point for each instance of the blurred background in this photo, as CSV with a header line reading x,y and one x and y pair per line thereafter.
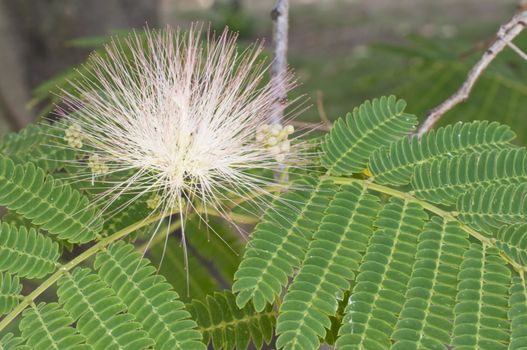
x,y
343,51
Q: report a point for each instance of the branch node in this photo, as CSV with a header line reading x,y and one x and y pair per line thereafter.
x,y
275,13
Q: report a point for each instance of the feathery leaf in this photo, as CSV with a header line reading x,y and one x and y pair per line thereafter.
x,y
278,243
489,208
55,206
332,257
378,295
40,144
225,326
371,125
443,180
394,164
26,253
148,297
47,326
10,342
518,313
481,305
512,240
100,315
10,289
425,321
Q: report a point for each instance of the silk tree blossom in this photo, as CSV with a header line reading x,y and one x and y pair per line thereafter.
x,y
187,121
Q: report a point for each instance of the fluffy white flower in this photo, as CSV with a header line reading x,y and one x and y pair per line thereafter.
x,y
184,118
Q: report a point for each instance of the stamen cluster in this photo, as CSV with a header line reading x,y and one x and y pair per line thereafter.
x,y
187,119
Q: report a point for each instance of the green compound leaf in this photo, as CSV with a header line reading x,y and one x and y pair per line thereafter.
x,y
378,295
333,255
370,126
148,297
512,240
123,213
225,326
482,302
100,315
278,243
21,142
40,144
14,219
518,313
442,181
489,208
26,253
395,164
10,289
425,321
10,342
49,327
47,202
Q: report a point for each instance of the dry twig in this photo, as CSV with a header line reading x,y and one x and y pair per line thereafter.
x,y
504,38
517,50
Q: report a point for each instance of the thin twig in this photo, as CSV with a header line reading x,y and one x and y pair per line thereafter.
x,y
505,35
518,50
280,17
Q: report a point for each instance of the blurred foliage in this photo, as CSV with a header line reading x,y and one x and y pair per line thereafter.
x,y
47,95
424,72
437,72
214,252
